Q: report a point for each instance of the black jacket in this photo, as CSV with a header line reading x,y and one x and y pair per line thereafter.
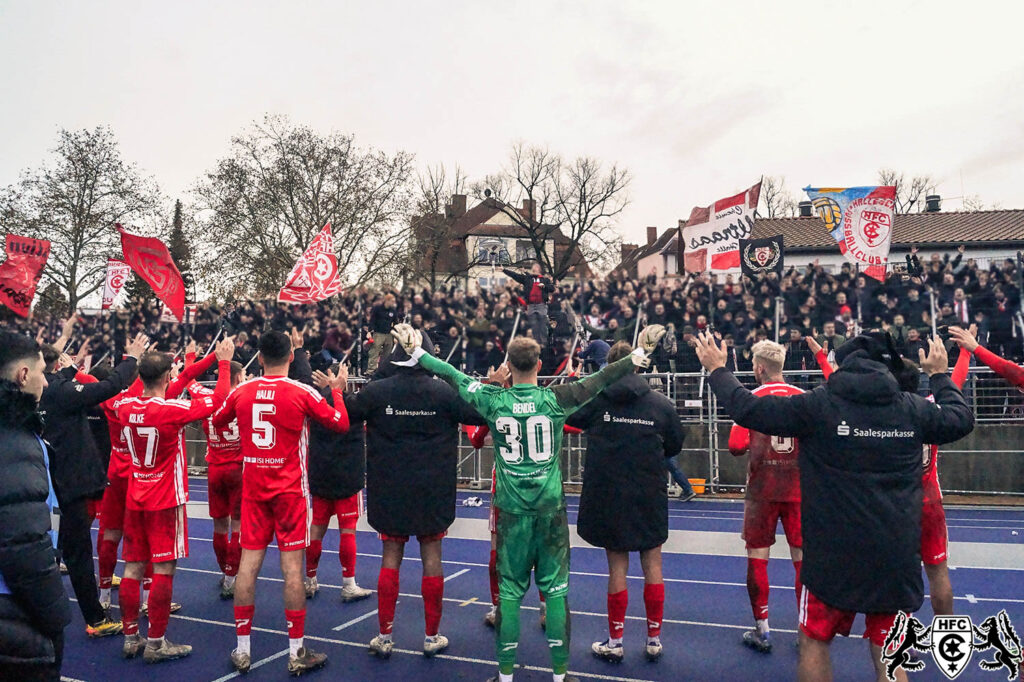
x,y
36,610
75,464
412,454
630,431
860,476
383,318
337,461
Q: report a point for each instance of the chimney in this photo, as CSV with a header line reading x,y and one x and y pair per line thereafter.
x,y
652,235
932,203
457,206
805,209
530,209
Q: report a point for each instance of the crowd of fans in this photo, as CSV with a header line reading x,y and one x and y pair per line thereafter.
x,y
472,328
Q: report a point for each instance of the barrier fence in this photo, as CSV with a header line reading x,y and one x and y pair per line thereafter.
x,y
988,462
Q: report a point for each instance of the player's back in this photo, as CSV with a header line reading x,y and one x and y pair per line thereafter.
x,y
223,445
526,427
271,415
773,472
154,435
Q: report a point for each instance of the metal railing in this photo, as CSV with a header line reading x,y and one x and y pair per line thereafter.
x,y
994,402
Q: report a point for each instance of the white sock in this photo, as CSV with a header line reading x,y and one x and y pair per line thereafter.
x,y
762,625
614,641
155,643
502,677
229,580
558,678
386,638
145,597
105,595
348,582
294,645
243,644
654,640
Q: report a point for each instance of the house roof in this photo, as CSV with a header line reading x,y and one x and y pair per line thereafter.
x,y
980,228
660,245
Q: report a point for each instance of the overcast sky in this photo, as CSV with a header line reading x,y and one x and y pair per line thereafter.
x,y
697,100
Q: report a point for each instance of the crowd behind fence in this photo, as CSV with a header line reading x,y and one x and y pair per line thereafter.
x,y
994,402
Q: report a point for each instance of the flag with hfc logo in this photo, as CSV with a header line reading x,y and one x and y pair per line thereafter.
x,y
860,219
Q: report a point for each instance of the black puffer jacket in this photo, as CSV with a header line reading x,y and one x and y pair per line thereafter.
x,y
860,476
412,443
630,431
337,461
36,609
75,463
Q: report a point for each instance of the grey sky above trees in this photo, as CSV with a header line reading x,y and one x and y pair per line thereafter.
x,y
818,94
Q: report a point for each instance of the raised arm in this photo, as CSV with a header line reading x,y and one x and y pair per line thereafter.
x,y
191,373
574,395
1004,368
473,391
74,397
963,363
333,417
203,406
739,440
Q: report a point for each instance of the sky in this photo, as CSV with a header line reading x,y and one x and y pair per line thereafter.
x,y
697,99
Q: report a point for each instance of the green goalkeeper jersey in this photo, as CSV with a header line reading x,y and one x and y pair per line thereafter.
x,y
526,425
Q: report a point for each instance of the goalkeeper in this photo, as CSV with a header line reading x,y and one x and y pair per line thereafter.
x,y
533,530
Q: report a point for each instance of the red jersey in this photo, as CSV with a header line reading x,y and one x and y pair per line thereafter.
x,y
772,471
154,431
272,417
223,446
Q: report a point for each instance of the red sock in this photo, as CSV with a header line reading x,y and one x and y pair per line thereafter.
x,y
617,603
220,550
243,619
387,597
107,551
128,598
160,605
797,584
492,569
654,601
296,623
234,556
313,551
347,555
147,582
757,587
432,589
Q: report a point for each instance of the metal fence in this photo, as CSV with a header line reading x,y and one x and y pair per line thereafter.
x,y
705,453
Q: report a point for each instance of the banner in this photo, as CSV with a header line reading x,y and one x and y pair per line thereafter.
x,y
315,275
761,256
710,240
117,274
20,273
860,220
151,261
167,315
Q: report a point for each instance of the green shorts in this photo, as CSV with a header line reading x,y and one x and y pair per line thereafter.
x,y
533,543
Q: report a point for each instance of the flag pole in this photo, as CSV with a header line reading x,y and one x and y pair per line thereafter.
x,y
515,326
778,317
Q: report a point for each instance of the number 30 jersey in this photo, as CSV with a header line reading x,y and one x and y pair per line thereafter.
x,y
772,471
526,425
272,414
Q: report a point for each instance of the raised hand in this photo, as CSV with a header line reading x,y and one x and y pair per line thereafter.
x,y
320,379
407,337
190,349
64,361
298,339
225,349
137,347
936,362
500,375
814,345
965,337
711,355
82,353
650,337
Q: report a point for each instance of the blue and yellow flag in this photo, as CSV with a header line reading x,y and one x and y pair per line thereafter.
x,y
860,219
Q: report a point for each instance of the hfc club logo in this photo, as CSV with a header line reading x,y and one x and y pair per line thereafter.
x,y
952,641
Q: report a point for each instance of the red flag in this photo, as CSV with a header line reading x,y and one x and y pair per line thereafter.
x,y
315,275
151,260
20,273
710,240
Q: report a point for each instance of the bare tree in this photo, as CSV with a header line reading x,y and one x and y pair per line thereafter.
x,y
776,199
73,201
432,226
909,194
574,203
260,206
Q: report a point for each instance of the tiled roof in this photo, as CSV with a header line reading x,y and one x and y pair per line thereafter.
x,y
659,245
925,229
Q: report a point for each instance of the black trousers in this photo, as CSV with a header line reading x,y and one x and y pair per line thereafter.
x,y
75,544
37,672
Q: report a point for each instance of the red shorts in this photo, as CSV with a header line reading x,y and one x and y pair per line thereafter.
x,y
225,490
285,517
760,518
92,507
156,536
822,622
934,537
112,507
348,510
405,538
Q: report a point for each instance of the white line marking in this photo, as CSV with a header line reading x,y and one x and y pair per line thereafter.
x,y
456,574
974,600
268,659
360,619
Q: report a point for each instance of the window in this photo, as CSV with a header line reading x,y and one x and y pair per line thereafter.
x,y
492,250
525,250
